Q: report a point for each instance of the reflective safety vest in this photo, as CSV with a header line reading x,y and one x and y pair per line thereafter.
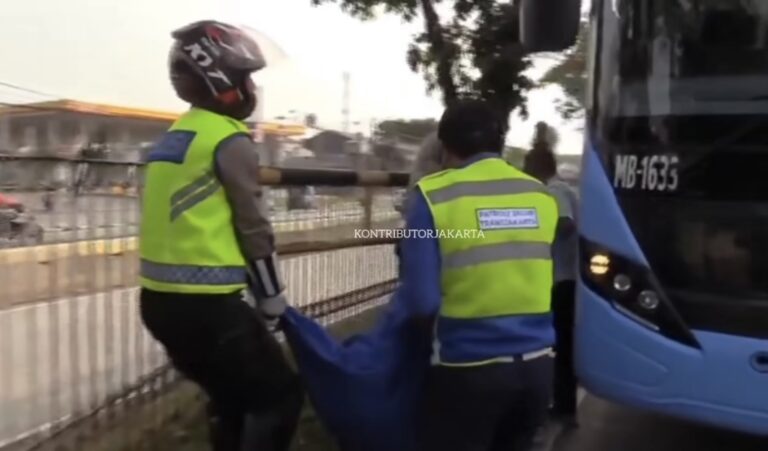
x,y
496,226
187,239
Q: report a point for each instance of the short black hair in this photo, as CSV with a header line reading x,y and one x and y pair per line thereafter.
x,y
471,126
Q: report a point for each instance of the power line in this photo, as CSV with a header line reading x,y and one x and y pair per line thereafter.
x,y
32,107
31,91
12,96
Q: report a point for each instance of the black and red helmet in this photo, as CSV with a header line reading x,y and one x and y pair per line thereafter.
x,y
221,55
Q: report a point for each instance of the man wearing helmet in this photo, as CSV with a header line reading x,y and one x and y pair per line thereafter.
x,y
205,238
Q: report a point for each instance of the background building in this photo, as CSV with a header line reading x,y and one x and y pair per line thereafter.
x,y
64,128
68,130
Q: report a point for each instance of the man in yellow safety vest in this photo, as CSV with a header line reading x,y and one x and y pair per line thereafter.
x,y
205,238
477,271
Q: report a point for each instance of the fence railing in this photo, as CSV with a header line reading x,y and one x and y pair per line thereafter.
x,y
76,361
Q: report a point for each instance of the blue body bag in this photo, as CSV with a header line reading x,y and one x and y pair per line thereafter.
x,y
366,390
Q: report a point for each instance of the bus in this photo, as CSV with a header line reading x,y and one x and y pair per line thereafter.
x,y
672,312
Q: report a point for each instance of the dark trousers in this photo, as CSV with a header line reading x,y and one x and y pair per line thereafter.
x,y
563,309
497,407
222,344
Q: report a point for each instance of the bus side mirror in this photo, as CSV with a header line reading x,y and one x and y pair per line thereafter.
x,y
549,25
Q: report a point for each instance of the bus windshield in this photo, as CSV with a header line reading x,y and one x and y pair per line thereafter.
x,y
684,58
689,79
680,120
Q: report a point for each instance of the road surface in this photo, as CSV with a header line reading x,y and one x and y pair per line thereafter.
x,y
609,427
68,355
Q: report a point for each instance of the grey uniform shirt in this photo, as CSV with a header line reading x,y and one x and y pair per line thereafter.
x,y
237,167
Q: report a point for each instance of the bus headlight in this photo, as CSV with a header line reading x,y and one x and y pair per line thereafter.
x,y
633,290
648,300
599,264
622,283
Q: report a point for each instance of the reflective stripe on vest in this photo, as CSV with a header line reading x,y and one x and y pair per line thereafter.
x,y
484,188
187,240
192,194
192,275
496,253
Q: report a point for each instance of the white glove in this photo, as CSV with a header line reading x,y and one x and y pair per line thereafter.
x,y
272,309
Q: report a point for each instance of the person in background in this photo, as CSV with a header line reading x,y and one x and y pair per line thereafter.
x,y
429,159
484,298
205,240
540,162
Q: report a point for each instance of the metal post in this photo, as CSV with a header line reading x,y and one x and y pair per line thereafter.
x,y
368,197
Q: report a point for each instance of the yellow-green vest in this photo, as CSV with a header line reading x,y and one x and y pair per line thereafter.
x,y
496,226
188,242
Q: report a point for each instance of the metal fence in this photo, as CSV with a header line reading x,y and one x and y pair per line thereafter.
x,y
77,365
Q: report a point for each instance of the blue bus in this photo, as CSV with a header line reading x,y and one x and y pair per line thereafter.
x,y
672,311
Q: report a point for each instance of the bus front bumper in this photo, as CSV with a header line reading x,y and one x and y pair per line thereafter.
x,y
621,360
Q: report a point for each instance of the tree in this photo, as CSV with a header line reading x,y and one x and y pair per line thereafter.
x,y
413,130
474,54
393,137
571,74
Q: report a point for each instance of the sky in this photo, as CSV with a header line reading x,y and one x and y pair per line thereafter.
x,y
115,52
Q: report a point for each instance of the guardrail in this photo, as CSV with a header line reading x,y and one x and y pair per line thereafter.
x,y
77,364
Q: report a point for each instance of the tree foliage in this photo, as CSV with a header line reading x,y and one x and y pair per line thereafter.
x,y
414,130
571,74
393,136
474,53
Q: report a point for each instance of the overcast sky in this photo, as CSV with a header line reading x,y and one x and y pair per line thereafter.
x,y
115,52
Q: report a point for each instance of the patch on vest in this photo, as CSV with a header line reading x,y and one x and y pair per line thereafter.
x,y
507,218
172,147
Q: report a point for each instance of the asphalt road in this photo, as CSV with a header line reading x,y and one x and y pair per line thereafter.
x,y
68,355
605,426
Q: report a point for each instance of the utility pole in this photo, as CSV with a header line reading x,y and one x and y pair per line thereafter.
x,y
345,103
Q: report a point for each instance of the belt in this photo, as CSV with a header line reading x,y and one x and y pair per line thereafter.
x,y
547,352
527,357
